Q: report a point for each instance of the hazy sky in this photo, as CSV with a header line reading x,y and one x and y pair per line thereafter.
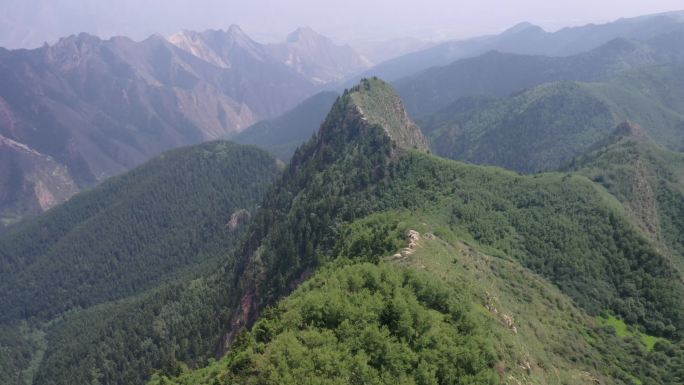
x,y
34,21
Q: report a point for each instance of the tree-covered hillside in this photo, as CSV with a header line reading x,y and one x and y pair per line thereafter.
x,y
544,127
500,74
648,179
547,263
133,231
476,275
169,219
529,39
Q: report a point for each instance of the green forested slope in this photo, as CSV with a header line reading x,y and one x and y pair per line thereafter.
x,y
564,228
555,251
167,219
546,126
499,73
648,179
132,231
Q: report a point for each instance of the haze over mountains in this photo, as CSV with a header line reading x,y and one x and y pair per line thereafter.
x,y
529,39
510,210
308,53
105,106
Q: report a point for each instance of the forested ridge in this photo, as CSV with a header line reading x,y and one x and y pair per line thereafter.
x,y
165,221
337,231
544,127
561,226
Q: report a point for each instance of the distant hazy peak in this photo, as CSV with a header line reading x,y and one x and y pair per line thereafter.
x,y
81,38
524,26
619,43
674,15
304,33
235,30
217,46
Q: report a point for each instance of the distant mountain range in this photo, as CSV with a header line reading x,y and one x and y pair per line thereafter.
x,y
77,112
527,112
541,128
500,74
528,39
308,53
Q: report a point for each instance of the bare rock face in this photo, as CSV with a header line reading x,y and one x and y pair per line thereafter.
x,y
380,104
30,182
237,219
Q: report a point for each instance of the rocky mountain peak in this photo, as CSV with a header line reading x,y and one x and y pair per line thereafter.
x,y
217,46
523,27
304,34
73,51
375,103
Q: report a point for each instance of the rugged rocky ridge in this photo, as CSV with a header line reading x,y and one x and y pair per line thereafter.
x,y
304,51
221,48
366,129
317,57
100,107
377,103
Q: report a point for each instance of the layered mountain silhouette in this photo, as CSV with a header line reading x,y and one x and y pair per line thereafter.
x,y
92,108
305,51
529,39
541,128
500,74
